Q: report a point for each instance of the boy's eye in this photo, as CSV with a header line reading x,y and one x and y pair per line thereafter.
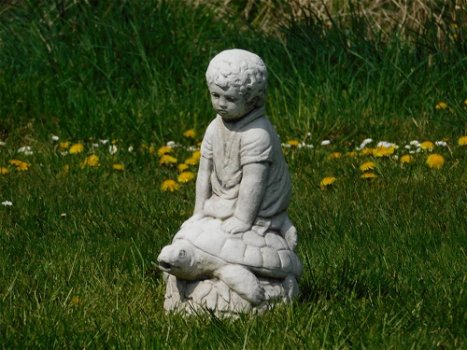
x,y
215,95
231,99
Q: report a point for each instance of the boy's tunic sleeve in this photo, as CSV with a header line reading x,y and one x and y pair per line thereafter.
x,y
255,146
206,144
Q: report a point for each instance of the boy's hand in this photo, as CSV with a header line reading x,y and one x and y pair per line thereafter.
x,y
234,225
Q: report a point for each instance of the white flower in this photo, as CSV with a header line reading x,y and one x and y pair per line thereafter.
x,y
325,142
113,149
172,144
64,153
63,215
415,143
7,203
441,143
95,145
104,141
364,143
286,145
407,147
130,149
386,144
309,146
54,137
26,150
2,143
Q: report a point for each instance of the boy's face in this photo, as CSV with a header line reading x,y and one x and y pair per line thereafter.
x,y
228,102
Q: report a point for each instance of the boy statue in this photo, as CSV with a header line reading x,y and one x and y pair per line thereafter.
x,y
243,178
239,244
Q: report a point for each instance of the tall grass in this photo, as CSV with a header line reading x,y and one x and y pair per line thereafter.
x,y
384,260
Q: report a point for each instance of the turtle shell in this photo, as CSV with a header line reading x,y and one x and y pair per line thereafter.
x,y
268,254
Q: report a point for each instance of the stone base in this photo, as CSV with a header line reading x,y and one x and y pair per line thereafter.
x,y
213,295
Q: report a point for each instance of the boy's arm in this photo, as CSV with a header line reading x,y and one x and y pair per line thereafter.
x,y
203,185
250,196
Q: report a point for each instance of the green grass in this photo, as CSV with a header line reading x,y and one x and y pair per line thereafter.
x,y
384,259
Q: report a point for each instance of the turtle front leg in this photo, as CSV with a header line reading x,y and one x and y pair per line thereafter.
x,y
242,281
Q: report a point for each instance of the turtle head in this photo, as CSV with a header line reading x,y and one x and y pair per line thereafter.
x,y
178,259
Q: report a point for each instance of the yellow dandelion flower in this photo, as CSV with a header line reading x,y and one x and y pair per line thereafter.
x,y
167,160
196,155
20,165
169,185
76,148
369,176
435,161
465,102
383,151
406,159
192,161
118,166
427,145
327,181
182,167
64,145
151,150
293,143
190,133
351,154
186,176
462,141
75,300
163,150
441,105
90,161
367,166
367,151
4,171
335,155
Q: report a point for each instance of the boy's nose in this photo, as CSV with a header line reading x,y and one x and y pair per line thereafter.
x,y
222,102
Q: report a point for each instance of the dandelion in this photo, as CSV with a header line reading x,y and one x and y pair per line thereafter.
x,y
91,161
293,143
383,151
164,150
406,159
325,143
7,203
167,160
192,161
182,167
367,166
75,300
76,148
64,145
118,166
190,133
441,105
351,154
186,176
465,102
169,185
369,176
427,146
462,141
367,151
327,182
435,161
4,171
20,165
151,149
196,155
335,155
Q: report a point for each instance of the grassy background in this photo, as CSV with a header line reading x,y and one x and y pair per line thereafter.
x,y
384,260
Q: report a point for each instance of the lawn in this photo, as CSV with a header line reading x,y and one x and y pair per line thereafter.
x,y
102,103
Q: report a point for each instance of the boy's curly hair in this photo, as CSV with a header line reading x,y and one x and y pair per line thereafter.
x,y
241,69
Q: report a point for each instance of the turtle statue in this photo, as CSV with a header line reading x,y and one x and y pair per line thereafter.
x,y
243,262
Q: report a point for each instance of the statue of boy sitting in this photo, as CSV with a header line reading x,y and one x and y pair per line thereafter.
x,y
243,178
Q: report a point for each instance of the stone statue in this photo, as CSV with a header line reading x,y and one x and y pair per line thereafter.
x,y
237,252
